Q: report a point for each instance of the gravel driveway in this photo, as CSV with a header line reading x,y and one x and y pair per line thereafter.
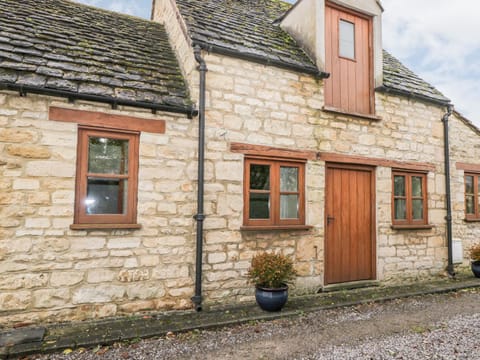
x,y
427,327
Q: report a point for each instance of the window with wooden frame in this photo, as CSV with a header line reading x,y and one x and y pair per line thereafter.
x,y
472,189
106,180
409,199
274,193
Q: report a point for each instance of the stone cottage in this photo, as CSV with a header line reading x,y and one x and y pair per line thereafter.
x,y
143,163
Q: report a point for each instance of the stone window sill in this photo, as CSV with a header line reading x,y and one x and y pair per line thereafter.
x,y
275,227
104,226
471,220
350,113
412,227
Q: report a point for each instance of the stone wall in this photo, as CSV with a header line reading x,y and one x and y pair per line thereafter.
x,y
48,271
464,148
51,272
255,104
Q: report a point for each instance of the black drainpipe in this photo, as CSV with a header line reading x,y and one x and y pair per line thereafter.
x,y
200,216
450,269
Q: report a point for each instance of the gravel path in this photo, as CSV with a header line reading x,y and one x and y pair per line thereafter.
x,y
428,327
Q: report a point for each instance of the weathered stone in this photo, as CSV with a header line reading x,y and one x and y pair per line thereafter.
x,y
133,275
65,278
28,281
50,298
29,151
214,258
170,272
16,136
98,294
50,168
101,276
123,243
14,300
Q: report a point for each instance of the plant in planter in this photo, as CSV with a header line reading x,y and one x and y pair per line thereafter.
x,y
474,252
271,273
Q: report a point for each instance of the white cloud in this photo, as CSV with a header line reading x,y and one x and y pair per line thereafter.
x,y
138,7
438,40
126,7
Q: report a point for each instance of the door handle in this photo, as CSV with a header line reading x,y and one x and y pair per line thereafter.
x,y
329,219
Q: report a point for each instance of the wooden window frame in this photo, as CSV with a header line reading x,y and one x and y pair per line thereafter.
x,y
82,220
409,222
476,180
274,222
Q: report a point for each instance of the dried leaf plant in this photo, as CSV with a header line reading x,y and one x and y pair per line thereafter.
x,y
475,252
270,270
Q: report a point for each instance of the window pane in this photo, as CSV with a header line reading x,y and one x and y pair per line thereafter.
x,y
417,186
106,196
347,39
400,209
399,185
469,184
417,211
289,206
288,179
259,206
259,177
107,156
469,204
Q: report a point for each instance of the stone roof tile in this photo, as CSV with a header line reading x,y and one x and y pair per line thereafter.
x,y
62,45
396,76
247,27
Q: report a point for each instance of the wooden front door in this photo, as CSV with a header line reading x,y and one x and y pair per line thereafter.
x,y
348,59
349,222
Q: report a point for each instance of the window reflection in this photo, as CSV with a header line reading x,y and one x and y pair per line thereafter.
x,y
106,196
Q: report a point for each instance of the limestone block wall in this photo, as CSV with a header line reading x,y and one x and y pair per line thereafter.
x,y
464,148
256,104
49,272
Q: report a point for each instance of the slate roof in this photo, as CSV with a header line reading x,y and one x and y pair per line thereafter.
x,y
247,28
399,78
244,28
85,51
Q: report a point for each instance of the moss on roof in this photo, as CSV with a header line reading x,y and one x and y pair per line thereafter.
x,y
245,27
62,45
248,28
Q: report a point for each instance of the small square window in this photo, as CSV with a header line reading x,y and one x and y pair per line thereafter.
x,y
274,193
106,181
409,199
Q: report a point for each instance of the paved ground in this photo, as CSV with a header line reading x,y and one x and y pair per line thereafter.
x,y
440,326
309,328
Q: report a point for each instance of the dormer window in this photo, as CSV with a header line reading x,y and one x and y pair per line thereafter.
x,y
348,59
344,38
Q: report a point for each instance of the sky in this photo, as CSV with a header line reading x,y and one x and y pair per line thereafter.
x,y
437,39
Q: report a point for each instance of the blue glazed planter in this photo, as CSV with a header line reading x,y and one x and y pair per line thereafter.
x,y
271,299
476,268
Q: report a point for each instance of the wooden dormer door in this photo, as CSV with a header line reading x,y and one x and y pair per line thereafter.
x,y
348,59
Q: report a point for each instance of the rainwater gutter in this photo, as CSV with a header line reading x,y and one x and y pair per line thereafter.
x,y
200,216
23,90
448,218
264,60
